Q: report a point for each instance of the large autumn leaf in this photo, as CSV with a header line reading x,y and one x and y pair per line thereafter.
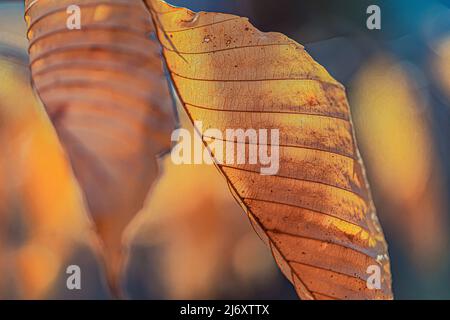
x,y
104,89
316,213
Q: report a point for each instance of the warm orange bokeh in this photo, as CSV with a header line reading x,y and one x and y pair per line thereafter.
x,y
392,124
41,187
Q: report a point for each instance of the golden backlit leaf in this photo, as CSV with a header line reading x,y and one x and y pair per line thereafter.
x,y
391,119
105,91
316,213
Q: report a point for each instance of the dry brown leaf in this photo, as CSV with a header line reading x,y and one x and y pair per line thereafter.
x,y
316,214
104,89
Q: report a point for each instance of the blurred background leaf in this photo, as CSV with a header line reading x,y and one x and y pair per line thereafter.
x,y
106,94
44,221
393,121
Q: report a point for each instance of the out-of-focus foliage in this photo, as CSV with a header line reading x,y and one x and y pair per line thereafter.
x,y
441,65
105,91
392,120
42,205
